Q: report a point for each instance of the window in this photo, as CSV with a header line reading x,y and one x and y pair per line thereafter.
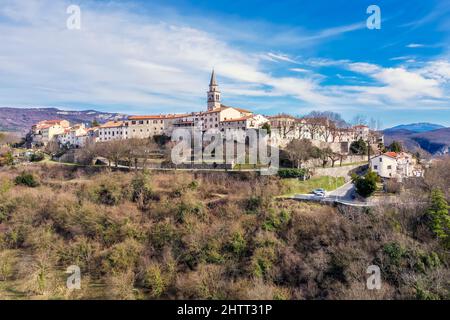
x,y
381,159
141,122
133,122
375,167
389,167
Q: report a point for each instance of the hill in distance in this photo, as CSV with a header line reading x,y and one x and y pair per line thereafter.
x,y
416,127
432,138
21,119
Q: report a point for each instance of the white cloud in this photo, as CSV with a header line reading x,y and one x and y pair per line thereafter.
x,y
123,59
281,57
300,70
415,45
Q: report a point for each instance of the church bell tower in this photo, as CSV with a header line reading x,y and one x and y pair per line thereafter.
x,y
213,94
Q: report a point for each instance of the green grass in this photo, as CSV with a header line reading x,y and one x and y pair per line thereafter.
x,y
295,186
336,165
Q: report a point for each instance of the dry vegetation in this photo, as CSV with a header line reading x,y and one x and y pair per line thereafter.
x,y
206,236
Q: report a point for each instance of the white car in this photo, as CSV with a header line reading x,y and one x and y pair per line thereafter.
x,y
319,192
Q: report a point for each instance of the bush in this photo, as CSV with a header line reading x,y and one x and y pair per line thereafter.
x,y
37,156
253,203
123,256
26,179
141,189
358,147
154,280
275,221
392,186
238,244
292,173
367,185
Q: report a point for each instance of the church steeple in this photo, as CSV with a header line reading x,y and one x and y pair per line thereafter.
x,y
213,81
213,93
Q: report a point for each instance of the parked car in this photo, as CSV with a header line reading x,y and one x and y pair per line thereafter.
x,y
319,192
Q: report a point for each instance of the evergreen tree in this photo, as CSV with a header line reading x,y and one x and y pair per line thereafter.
x,y
439,215
395,146
358,147
367,185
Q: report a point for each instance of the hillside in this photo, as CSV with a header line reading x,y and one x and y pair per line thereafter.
x,y
18,119
435,142
179,235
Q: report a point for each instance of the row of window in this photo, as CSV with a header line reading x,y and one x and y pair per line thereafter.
x,y
147,122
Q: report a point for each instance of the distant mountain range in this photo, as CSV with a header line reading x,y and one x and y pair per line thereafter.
x,y
416,127
21,119
432,138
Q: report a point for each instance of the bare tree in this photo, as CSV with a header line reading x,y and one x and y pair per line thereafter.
x,y
359,119
299,151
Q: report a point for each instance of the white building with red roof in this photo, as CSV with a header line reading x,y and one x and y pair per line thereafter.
x,y
395,165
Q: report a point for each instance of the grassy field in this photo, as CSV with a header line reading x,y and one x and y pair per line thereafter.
x,y
295,186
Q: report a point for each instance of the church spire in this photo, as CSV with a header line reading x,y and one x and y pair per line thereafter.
x,y
213,81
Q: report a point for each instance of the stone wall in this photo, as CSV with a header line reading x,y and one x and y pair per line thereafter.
x,y
344,171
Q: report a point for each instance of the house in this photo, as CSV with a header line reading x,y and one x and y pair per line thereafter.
x,y
44,131
112,130
395,165
243,123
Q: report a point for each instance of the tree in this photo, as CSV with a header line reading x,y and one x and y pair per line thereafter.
x,y
336,118
95,123
395,146
8,138
358,147
359,119
266,126
439,215
365,186
299,151
324,155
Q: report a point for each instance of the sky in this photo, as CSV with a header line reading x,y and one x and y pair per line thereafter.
x,y
152,57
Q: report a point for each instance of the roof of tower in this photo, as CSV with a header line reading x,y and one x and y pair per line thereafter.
x,y
213,81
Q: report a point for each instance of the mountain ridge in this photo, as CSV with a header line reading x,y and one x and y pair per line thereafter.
x,y
21,119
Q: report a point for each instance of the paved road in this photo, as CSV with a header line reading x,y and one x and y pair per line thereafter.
x,y
342,195
345,192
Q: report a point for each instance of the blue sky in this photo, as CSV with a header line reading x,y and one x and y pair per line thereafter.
x,y
150,57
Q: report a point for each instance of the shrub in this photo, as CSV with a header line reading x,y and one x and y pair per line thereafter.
x,y
161,234
186,208
262,261
238,244
37,156
6,264
26,179
123,256
367,185
253,203
154,280
275,221
107,195
394,252
392,186
292,173
141,189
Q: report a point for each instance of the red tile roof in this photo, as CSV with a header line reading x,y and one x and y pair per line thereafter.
x,y
112,124
390,154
